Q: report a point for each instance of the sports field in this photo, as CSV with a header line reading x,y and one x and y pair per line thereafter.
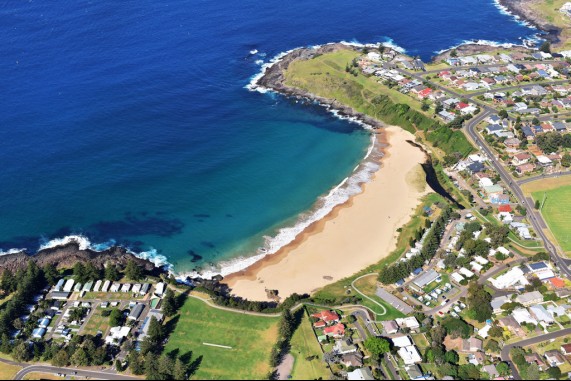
x,y
232,345
557,213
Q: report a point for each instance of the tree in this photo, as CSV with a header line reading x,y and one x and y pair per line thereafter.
x,y
180,370
166,365
287,324
155,332
169,303
451,357
98,356
111,272
60,359
537,204
136,363
79,272
566,160
51,274
532,372
503,368
496,331
133,271
79,358
21,352
424,106
116,318
493,346
554,372
545,47
503,114
152,367
377,346
478,300
468,372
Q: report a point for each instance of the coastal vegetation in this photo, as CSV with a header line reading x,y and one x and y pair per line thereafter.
x,y
245,341
326,77
393,273
340,292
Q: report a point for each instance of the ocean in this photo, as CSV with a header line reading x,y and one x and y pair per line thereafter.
x,y
130,122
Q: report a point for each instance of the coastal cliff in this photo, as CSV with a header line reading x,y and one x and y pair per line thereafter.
x,y
67,255
274,79
524,10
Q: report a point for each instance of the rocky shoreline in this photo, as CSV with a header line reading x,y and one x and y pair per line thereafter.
x,y
475,48
66,256
523,10
273,79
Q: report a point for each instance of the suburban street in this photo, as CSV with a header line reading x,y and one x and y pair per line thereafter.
x,y
534,216
505,354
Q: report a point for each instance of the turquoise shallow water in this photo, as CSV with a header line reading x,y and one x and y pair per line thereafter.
x,y
129,122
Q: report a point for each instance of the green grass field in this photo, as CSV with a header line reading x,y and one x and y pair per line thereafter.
x,y
250,337
96,323
557,213
303,346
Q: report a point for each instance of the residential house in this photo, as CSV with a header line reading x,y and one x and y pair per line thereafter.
x,y
525,168
410,355
529,298
540,313
477,358
336,331
401,341
325,317
535,358
521,158
512,325
522,316
566,349
360,374
491,370
344,347
554,358
471,345
512,143
409,322
354,359
136,312
390,327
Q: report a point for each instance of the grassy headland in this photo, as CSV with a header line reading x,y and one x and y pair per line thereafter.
x,y
325,76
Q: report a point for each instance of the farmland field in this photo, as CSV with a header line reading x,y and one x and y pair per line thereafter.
x,y
249,338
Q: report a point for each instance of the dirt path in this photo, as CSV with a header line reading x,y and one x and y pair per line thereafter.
x,y
285,367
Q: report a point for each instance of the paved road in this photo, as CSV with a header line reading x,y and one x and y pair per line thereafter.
x,y
368,323
82,373
505,354
392,368
455,68
533,215
541,177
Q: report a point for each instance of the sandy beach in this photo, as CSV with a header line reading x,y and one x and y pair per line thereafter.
x,y
353,236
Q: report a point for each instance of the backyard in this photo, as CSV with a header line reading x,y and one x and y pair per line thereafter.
x,y
226,345
309,364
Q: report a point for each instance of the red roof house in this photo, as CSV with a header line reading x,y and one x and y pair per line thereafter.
x,y
505,208
557,282
461,105
424,93
327,317
337,330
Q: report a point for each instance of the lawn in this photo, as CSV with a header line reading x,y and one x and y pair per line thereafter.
x,y
7,372
107,296
97,322
304,345
557,213
250,338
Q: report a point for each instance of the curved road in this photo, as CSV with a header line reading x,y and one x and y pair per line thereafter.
x,y
505,354
69,371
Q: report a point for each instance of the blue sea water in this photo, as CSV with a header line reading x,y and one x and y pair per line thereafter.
x,y
129,122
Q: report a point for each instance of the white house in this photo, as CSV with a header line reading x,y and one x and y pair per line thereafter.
x,y
512,278
410,355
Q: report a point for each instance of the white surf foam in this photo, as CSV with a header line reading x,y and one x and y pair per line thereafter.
x,y
505,11
340,194
11,251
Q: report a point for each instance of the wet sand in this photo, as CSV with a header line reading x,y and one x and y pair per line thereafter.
x,y
353,236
